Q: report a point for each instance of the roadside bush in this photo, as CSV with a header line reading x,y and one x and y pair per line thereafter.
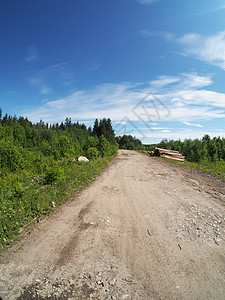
x,y
52,173
104,147
10,156
92,153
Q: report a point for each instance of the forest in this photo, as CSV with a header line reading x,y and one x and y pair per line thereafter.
x,y
39,170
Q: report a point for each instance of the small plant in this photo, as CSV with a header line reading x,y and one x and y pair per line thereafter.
x,y
52,173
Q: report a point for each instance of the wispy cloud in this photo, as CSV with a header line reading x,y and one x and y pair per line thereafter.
x,y
162,81
218,9
192,124
106,100
47,80
32,54
182,81
93,66
184,96
11,92
210,49
121,122
45,90
181,134
149,33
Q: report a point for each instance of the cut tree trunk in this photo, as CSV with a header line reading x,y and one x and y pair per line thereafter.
x,y
168,154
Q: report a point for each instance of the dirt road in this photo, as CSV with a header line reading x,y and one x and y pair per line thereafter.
x,y
145,229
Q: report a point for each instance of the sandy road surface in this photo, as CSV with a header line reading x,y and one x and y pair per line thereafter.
x,y
146,229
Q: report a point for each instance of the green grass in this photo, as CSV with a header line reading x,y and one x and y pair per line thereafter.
x,y
216,169
25,196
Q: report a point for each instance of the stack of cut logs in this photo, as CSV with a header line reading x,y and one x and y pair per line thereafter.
x,y
168,154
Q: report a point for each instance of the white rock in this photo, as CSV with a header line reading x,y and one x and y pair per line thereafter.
x,y
83,158
113,281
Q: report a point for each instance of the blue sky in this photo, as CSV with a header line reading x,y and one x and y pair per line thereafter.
x,y
155,67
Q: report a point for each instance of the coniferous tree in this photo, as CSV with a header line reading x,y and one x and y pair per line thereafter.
x,y
95,128
0,114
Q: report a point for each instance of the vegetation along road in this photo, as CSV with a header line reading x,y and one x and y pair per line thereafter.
x,y
145,229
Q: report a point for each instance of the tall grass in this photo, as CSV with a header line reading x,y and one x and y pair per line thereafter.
x,y
25,196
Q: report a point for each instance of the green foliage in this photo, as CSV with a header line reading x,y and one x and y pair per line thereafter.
x,y
26,196
52,173
92,153
37,167
104,127
91,142
104,147
10,156
207,149
129,142
18,189
65,147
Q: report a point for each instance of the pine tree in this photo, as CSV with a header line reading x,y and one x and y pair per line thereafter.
x,y
95,129
110,135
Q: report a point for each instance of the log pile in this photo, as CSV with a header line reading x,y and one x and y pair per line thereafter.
x,y
168,154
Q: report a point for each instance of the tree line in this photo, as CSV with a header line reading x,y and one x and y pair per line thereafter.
x,y
24,145
197,150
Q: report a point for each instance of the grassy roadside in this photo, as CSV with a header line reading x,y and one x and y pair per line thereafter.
x,y
216,169
25,196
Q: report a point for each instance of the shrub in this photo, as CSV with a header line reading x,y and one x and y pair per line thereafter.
x,y
92,153
10,156
52,173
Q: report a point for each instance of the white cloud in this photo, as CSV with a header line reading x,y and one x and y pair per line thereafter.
x,y
210,49
156,135
183,134
121,122
159,128
192,124
106,100
164,81
193,80
178,102
182,81
198,98
182,98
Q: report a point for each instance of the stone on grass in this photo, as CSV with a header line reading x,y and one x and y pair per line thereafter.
x,y
83,158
